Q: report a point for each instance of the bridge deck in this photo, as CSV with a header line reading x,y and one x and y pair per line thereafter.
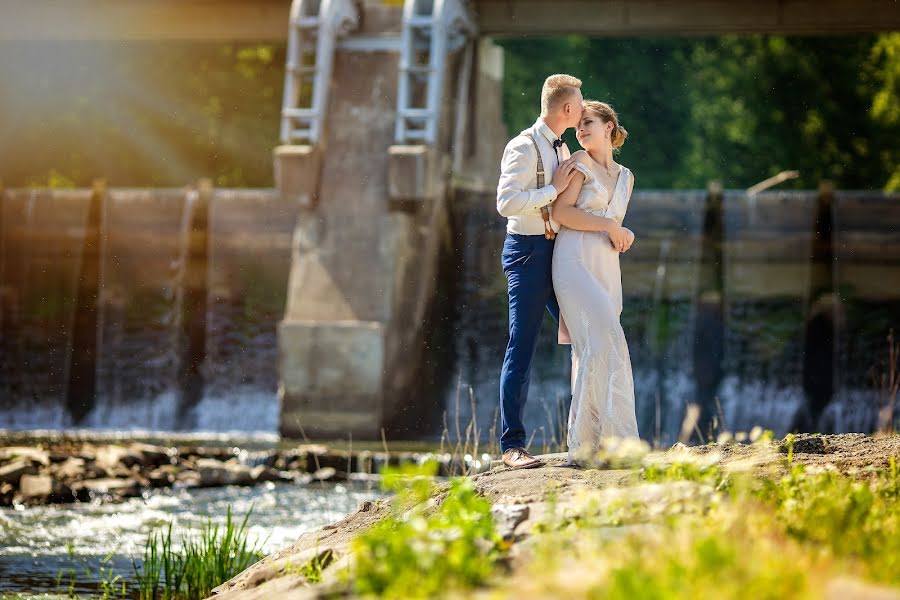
x,y
266,20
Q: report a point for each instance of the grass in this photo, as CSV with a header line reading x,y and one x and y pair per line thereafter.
x,y
169,572
110,584
424,548
203,562
697,530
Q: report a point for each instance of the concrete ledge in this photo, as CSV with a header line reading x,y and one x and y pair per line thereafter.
x,y
410,176
297,173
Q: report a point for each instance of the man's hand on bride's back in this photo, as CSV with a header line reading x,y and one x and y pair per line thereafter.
x,y
563,175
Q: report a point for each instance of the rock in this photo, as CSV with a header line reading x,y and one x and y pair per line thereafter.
x,y
122,488
114,457
288,566
507,517
284,588
262,473
338,570
72,469
806,444
215,473
14,471
212,472
238,474
43,489
35,486
220,454
324,474
58,457
154,456
7,492
162,477
35,455
187,479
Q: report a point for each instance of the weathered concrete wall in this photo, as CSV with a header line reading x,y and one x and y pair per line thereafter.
x,y
361,268
155,289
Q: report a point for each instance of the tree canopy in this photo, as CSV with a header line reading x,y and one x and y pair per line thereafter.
x,y
735,108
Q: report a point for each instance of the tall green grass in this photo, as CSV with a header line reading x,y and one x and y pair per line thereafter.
x,y
204,561
169,572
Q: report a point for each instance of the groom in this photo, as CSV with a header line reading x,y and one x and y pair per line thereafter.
x,y
527,251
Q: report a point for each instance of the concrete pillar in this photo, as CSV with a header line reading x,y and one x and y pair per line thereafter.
x,y
374,224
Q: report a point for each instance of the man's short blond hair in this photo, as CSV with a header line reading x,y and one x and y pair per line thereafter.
x,y
557,88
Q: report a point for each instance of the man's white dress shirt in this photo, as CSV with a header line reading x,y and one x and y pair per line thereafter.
x,y
518,197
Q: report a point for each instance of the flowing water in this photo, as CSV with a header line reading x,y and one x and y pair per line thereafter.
x,y
720,310
33,541
749,352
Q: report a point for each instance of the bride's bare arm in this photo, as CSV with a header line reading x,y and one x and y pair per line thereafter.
x,y
565,213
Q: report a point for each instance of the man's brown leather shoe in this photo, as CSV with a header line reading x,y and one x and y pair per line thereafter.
x,y
519,458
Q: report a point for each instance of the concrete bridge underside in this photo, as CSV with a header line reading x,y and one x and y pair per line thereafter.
x,y
372,192
266,20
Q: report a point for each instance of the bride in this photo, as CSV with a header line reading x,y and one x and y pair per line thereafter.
x,y
588,284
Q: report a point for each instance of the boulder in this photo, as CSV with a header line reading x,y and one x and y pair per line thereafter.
x,y
114,457
33,454
163,476
507,517
121,488
324,474
153,455
237,474
72,469
187,479
43,489
7,492
215,472
262,473
11,473
212,472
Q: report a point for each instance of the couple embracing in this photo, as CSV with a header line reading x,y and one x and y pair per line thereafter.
x,y
561,253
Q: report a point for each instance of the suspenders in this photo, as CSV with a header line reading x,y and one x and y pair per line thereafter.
x,y
545,212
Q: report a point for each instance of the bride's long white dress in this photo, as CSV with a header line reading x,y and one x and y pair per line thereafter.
x,y
588,283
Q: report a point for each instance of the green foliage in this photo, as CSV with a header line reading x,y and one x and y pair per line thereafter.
x,y
203,562
735,108
138,113
312,570
709,474
858,519
691,541
711,565
110,587
420,550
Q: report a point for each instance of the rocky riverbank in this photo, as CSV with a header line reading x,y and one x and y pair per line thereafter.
x,y
524,502
65,471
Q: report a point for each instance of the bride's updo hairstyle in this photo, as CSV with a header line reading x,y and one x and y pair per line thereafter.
x,y
606,113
